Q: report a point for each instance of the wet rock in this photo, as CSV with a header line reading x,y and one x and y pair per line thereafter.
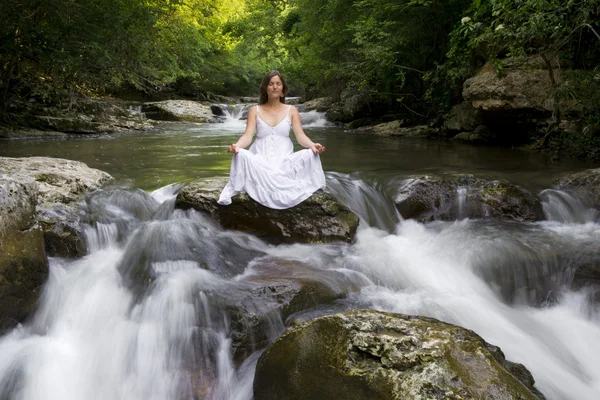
x,y
318,219
373,355
179,110
59,184
18,200
584,184
217,109
278,290
448,197
58,180
23,263
23,271
63,233
321,104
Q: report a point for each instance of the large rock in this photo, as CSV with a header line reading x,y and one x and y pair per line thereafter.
x,y
367,354
585,184
23,263
447,197
320,104
179,110
318,219
515,89
281,290
58,180
462,117
59,184
18,201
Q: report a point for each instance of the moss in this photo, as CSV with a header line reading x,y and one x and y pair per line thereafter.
x,y
23,270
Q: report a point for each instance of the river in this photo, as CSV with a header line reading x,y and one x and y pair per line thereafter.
x,y
99,336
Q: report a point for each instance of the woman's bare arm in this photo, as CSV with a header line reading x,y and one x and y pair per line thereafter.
x,y
246,138
301,136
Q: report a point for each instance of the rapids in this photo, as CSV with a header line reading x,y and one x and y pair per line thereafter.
x,y
145,314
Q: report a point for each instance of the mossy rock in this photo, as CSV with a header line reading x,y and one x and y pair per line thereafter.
x,y
365,354
438,197
23,271
318,219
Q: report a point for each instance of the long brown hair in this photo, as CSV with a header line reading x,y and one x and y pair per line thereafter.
x,y
263,99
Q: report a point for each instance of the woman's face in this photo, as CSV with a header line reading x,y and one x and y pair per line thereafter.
x,y
275,87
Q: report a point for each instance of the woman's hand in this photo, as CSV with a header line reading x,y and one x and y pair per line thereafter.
x,y
317,148
233,149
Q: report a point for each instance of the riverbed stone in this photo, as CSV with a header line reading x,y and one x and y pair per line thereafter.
x,y
366,354
448,197
280,292
59,185
23,271
179,110
584,184
23,262
58,180
318,219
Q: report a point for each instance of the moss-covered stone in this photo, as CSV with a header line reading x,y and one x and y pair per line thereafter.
x,y
366,354
318,219
23,271
448,197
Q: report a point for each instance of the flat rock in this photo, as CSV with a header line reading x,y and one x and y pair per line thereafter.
x,y
318,219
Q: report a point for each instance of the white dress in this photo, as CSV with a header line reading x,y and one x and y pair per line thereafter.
x,y
270,172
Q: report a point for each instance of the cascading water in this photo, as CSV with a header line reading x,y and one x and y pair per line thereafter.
x,y
167,305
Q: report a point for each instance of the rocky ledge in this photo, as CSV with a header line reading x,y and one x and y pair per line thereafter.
x,y
318,219
365,354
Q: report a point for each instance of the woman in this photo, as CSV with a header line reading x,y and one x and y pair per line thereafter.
x,y
270,172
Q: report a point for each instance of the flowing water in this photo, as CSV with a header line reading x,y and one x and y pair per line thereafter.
x,y
151,311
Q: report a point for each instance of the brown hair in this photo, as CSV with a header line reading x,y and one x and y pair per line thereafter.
x,y
265,82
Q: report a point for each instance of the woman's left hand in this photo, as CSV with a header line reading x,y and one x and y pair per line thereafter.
x,y
318,148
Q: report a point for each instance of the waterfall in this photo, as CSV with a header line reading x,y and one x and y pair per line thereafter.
x,y
155,310
560,206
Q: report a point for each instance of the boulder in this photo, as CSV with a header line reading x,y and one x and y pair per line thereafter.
x,y
58,180
584,184
23,262
396,128
462,117
23,271
318,219
320,104
179,110
59,185
515,89
365,354
18,201
63,232
278,290
447,197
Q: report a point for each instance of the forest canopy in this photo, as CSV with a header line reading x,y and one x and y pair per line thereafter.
x,y
403,56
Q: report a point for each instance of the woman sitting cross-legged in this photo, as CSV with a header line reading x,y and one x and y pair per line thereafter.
x,y
270,171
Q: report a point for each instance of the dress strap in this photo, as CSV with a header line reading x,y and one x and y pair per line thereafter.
x,y
258,110
289,109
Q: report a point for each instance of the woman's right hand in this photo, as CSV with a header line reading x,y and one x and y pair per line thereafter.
x,y
233,149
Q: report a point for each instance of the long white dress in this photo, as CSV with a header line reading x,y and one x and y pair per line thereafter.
x,y
271,172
